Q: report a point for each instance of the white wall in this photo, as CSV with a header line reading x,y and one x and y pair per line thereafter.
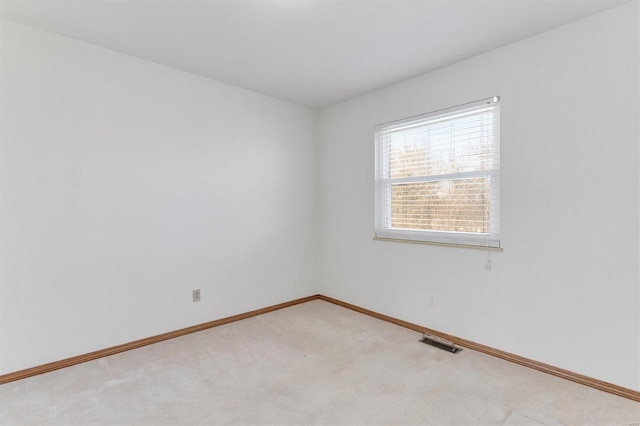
x,y
126,184
565,290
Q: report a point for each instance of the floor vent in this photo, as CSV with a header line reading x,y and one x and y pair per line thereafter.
x,y
440,343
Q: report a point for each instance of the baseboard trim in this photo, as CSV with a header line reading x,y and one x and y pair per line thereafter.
x,y
546,368
540,366
68,362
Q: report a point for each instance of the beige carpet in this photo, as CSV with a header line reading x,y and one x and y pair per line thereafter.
x,y
314,363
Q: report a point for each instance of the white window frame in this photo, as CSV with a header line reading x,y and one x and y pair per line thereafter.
x,y
383,229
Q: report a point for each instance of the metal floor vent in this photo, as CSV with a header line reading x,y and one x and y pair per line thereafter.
x,y
440,343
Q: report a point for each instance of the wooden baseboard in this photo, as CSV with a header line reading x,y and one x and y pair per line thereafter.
x,y
45,368
546,368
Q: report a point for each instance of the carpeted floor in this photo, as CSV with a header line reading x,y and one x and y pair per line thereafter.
x,y
314,363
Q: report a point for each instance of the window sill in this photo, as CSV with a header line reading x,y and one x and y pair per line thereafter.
x,y
432,243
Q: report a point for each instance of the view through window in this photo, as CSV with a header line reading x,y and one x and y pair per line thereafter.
x,y
438,176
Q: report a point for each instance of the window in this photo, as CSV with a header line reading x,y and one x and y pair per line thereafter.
x,y
438,176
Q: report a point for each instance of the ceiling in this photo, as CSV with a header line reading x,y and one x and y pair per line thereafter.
x,y
311,52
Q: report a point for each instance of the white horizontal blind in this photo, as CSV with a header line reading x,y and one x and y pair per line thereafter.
x,y
438,176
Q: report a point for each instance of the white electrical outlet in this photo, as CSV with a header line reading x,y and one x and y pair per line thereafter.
x,y
196,295
433,301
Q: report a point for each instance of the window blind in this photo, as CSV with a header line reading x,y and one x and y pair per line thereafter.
x,y
438,176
